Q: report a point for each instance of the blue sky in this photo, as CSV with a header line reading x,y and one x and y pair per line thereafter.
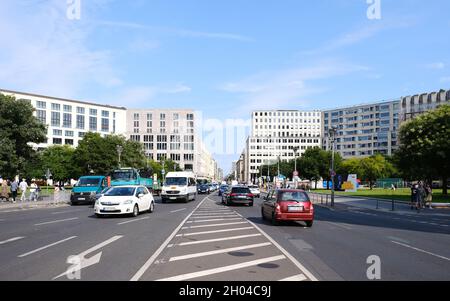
x,y
225,57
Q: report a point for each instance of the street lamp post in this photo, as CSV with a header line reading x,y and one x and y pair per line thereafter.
x,y
295,175
332,133
119,151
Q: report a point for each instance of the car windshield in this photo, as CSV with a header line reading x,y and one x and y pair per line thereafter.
x,y
240,190
120,191
83,182
123,175
204,186
176,181
297,196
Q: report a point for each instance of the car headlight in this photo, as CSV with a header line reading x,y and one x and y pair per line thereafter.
x,y
97,202
128,202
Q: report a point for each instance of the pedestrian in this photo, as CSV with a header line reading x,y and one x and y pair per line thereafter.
x,y
33,191
4,194
422,195
23,189
14,188
429,198
56,195
413,195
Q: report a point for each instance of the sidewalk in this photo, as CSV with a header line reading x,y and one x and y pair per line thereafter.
x,y
42,203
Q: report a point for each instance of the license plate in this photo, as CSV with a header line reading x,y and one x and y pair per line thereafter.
x,y
81,199
295,208
241,197
173,198
109,209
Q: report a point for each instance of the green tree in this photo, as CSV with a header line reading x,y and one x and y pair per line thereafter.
x,y
310,164
424,151
373,168
59,160
18,128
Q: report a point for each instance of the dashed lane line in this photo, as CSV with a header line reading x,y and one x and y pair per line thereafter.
x,y
182,209
202,254
214,231
420,250
133,220
57,221
213,220
11,240
223,269
214,225
213,240
47,246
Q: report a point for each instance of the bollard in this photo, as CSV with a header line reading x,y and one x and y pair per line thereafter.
x,y
393,202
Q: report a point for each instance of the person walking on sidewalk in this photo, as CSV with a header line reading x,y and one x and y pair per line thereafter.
x,y
56,195
429,198
14,188
414,195
4,190
33,191
23,188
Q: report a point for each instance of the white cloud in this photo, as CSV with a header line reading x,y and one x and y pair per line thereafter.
x,y
288,88
436,66
45,52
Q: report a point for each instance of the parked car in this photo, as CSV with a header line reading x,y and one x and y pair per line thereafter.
x,y
203,188
255,190
130,200
237,195
179,186
222,189
288,205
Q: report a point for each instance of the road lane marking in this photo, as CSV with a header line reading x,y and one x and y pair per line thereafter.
x,y
213,225
155,255
286,253
213,220
178,210
86,262
47,246
217,213
57,221
420,250
213,240
11,240
223,269
62,212
215,216
299,277
214,231
195,255
340,225
132,221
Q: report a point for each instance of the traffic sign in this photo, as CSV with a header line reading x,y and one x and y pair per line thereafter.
x,y
163,171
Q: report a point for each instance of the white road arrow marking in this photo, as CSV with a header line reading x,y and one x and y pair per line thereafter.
x,y
80,261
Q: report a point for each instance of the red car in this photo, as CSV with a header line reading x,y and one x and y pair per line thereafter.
x,y
288,205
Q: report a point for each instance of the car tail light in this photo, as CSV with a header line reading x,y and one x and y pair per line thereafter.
x,y
250,195
233,194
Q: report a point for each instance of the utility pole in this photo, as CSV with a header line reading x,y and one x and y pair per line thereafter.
x,y
332,134
295,174
119,149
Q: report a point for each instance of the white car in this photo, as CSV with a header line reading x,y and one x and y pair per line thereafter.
x,y
130,200
255,191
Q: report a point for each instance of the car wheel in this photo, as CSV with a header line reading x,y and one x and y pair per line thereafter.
x,y
73,204
275,222
135,211
262,214
186,200
251,204
152,207
309,224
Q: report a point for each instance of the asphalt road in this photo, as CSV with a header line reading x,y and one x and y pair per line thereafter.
x,y
204,240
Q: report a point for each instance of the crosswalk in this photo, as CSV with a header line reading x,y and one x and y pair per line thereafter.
x,y
215,243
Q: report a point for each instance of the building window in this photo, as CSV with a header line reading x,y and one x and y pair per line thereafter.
x,y
136,138
175,157
67,120
67,108
69,134
105,125
56,107
136,116
80,122
93,124
162,124
56,119
176,116
149,116
161,157
57,141
57,133
93,112
190,116
68,141
162,116
188,157
41,115
81,134
148,138
105,114
80,110
41,104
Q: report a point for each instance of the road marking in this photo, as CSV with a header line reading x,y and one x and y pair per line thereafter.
x,y
213,225
214,216
86,262
195,255
47,246
299,277
223,269
340,225
213,220
213,240
178,210
286,253
11,240
420,250
61,212
57,221
215,231
132,221
152,258
218,213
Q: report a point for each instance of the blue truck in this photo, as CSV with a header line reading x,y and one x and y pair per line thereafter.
x,y
86,189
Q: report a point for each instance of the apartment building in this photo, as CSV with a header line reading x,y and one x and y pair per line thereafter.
x,y
69,120
363,130
412,106
275,135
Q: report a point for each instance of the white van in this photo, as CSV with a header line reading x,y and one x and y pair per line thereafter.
x,y
179,186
